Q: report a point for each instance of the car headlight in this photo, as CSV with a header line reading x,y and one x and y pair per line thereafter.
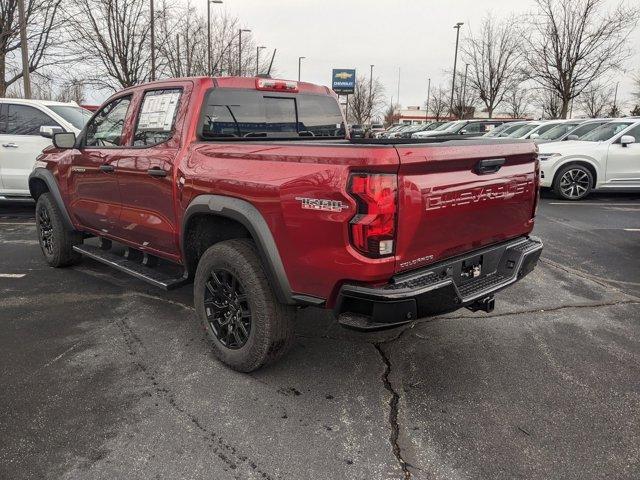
x,y
547,156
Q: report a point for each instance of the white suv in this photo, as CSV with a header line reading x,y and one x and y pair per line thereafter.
x,y
26,128
607,158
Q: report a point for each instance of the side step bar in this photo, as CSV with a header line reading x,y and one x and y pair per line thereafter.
x,y
149,275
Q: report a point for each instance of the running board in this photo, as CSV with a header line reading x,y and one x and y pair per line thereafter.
x,y
142,272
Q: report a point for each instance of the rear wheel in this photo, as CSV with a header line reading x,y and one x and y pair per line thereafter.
x,y
573,182
56,241
246,325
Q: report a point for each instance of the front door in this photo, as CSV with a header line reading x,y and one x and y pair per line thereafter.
x,y
145,173
623,162
20,144
93,187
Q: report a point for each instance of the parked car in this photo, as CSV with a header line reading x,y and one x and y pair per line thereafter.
x,y
607,158
405,132
212,176
504,129
356,131
468,128
579,130
26,128
557,131
375,129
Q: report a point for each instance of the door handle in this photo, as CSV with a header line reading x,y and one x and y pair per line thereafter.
x,y
157,172
10,145
107,168
489,165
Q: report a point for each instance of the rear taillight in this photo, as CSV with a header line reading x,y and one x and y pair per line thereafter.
x,y
373,228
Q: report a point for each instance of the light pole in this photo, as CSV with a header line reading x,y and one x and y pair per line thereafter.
x,y
464,89
209,2
426,117
455,64
24,48
370,93
153,42
258,58
300,66
240,49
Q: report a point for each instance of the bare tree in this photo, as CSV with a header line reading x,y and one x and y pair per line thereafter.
x,y
439,102
493,55
636,81
365,104
549,102
72,90
390,113
517,101
575,43
112,36
464,99
595,100
44,22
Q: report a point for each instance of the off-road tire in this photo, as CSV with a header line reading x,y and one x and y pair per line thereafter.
x,y
581,186
271,332
49,225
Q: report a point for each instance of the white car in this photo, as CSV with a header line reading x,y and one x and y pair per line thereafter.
x,y
607,158
26,128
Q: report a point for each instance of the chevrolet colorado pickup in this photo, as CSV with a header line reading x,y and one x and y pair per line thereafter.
x,y
251,189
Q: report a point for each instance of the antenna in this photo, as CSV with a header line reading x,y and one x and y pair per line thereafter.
x,y
271,64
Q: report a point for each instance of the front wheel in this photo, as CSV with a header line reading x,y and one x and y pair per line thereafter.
x,y
56,241
246,325
573,182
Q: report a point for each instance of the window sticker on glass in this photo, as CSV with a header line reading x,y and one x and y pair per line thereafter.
x,y
158,110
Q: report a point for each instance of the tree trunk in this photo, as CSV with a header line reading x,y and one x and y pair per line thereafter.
x,y
490,112
3,71
565,108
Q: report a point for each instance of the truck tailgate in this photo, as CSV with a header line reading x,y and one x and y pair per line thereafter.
x,y
451,202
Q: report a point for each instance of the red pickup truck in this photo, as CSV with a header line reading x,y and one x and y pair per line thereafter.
x,y
251,189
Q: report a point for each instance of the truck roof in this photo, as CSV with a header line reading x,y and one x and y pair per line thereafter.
x,y
234,82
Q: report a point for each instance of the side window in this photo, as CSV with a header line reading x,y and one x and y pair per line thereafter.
x,y
475,127
157,117
26,120
105,129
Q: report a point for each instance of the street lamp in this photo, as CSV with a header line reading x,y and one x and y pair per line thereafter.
x,y
370,93
428,96
258,58
209,2
300,66
240,30
464,88
455,64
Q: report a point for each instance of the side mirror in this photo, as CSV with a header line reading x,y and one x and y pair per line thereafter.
x,y
463,131
50,131
534,136
64,140
627,140
572,137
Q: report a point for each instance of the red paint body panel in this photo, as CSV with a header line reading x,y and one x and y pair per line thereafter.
x,y
444,207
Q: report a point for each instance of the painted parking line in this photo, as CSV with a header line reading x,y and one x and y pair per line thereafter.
x,y
631,229
17,223
12,275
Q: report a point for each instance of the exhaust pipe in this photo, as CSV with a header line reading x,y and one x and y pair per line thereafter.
x,y
486,304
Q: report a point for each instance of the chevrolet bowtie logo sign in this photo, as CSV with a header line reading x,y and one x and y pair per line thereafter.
x,y
343,81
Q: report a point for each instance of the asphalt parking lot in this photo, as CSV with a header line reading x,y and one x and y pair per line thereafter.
x,y
105,377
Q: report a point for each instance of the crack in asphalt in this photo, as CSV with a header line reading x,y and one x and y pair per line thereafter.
x,y
393,405
603,282
543,310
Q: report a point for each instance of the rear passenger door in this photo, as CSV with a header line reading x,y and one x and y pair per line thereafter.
x,y
20,144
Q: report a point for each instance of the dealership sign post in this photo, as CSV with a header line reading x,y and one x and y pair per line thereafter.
x,y
343,82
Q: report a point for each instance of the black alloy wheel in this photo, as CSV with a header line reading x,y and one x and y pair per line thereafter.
x,y
46,229
227,309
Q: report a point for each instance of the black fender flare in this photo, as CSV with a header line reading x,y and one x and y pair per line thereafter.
x,y
47,177
249,216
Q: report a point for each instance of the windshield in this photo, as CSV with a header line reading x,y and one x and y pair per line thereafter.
x,y
584,129
605,132
444,126
510,129
235,113
558,131
523,130
76,116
